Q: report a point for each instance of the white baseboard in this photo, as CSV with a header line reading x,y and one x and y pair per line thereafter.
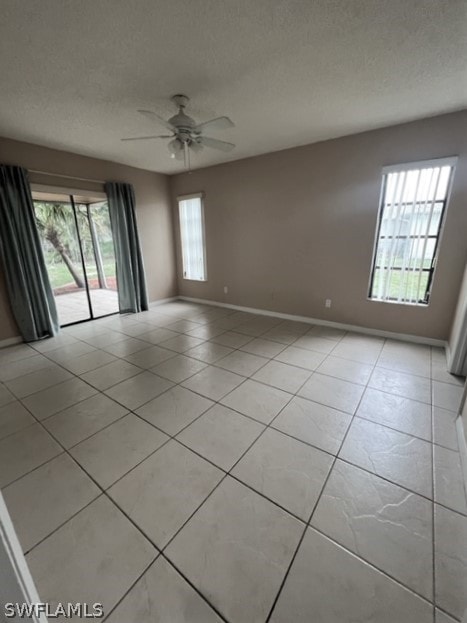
x,y
417,339
10,341
162,301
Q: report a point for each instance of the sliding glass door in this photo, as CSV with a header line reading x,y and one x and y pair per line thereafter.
x,y
79,253
99,257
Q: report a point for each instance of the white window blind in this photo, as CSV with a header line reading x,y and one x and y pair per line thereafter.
x,y
192,237
412,208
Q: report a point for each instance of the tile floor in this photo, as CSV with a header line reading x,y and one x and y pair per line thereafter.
x,y
196,464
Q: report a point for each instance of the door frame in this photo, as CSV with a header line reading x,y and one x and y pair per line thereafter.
x,y
16,585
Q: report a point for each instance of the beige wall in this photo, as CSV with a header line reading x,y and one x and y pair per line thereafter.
x,y
287,230
152,211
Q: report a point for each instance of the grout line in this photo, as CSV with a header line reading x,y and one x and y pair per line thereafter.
x,y
374,566
445,612
186,578
57,528
68,448
132,585
383,391
396,430
4,486
286,575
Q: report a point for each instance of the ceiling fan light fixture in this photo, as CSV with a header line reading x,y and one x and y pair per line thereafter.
x,y
175,145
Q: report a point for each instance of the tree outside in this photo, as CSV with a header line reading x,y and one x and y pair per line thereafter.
x,y
57,227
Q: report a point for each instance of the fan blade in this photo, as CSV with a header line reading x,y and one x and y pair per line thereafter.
x,y
146,138
220,123
215,143
152,116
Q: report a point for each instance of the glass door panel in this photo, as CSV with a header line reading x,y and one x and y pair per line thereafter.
x,y
99,257
56,223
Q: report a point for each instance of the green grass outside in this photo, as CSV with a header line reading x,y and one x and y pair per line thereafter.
x,y
60,276
408,279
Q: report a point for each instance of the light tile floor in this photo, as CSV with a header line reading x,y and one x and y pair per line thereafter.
x,y
193,464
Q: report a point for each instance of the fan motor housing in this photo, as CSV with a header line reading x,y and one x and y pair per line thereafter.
x,y
184,135
182,121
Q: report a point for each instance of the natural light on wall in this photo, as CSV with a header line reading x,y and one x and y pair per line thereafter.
x,y
413,205
192,237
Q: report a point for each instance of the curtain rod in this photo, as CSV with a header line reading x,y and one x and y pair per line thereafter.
x,y
68,177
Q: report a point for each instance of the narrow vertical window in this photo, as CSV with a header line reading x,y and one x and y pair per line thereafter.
x,y
413,203
192,237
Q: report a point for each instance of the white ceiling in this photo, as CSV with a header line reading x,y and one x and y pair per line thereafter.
x,y
288,72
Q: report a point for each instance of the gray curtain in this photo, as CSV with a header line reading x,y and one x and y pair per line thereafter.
x,y
31,296
132,295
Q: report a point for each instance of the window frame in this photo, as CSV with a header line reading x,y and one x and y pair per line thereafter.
x,y
399,168
180,198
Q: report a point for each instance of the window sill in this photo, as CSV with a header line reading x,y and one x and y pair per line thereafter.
x,y
405,303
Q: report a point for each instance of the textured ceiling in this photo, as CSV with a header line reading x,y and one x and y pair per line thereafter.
x,y
288,72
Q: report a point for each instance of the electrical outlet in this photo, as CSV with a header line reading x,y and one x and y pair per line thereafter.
x,y
327,303
226,290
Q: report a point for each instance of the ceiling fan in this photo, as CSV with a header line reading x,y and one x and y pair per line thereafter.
x,y
186,134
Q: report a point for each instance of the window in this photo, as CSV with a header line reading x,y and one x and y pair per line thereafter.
x,y
413,202
192,237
